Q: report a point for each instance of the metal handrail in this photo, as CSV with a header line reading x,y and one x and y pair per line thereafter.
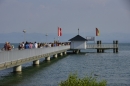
x,y
101,46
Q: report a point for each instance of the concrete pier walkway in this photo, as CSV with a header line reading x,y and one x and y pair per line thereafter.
x,y
16,58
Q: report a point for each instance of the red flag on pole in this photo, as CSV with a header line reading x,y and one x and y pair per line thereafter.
x,y
97,32
59,32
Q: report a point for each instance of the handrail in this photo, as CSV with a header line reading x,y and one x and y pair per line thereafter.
x,y
101,46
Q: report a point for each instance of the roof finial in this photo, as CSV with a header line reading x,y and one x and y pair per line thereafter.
x,y
78,31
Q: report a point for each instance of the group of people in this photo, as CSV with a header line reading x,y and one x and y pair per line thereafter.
x,y
27,45
30,45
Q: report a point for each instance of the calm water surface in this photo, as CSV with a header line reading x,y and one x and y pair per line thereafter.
x,y
113,67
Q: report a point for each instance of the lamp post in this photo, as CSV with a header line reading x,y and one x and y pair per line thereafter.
x,y
54,40
46,38
78,31
24,31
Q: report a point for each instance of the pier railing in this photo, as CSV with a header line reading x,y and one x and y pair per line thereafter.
x,y
14,55
101,46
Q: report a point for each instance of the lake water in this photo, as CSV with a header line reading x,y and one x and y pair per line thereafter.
x,y
113,67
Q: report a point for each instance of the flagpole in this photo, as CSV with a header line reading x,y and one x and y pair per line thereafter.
x,y
97,32
96,35
78,31
95,39
59,33
58,36
58,39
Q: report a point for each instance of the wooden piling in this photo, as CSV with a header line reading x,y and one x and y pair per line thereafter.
x,y
100,50
116,46
98,45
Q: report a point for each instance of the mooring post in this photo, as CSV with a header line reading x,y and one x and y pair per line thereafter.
x,y
98,46
79,51
100,50
114,46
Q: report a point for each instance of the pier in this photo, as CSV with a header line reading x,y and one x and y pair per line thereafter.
x,y
16,58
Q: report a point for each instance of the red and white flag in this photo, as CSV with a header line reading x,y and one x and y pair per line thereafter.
x,y
59,31
97,32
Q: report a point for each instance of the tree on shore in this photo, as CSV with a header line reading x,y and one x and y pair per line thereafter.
x,y
73,80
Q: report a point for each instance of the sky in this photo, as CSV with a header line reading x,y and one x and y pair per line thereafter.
x,y
41,17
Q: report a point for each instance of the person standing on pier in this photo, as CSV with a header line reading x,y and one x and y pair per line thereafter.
x,y
23,44
35,45
7,46
31,45
26,45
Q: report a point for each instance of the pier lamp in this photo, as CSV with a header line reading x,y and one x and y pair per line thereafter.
x,y
78,31
54,40
24,31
